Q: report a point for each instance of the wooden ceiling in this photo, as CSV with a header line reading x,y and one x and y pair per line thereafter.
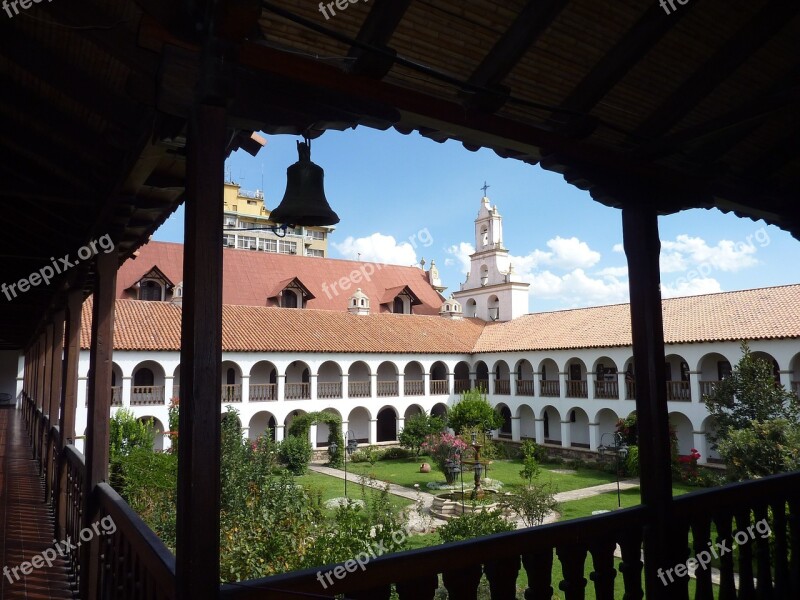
x,y
696,108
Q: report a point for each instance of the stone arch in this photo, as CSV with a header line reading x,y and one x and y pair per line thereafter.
x,y
683,430
387,424
552,424
579,427
505,412
358,423
261,423
527,422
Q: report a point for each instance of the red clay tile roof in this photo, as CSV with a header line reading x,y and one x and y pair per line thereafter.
x,y
766,313
156,326
250,276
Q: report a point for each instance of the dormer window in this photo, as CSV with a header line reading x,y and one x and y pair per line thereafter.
x,y
289,293
399,306
288,299
151,291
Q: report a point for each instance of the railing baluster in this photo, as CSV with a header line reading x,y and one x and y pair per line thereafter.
x,y
463,583
423,588
630,543
502,576
727,588
746,587
604,573
781,558
701,531
763,563
572,560
539,567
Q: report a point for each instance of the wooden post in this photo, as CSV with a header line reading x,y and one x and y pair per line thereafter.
x,y
642,247
56,382
100,355
69,386
197,545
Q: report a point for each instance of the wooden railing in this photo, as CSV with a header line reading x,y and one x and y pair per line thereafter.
x,y
388,388
502,387
116,395
483,385
440,387
525,387
608,390
461,385
329,389
550,388
577,389
707,387
147,395
132,561
679,391
263,392
359,389
414,387
630,390
768,562
231,393
297,391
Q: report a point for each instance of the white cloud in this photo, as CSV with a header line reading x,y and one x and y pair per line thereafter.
x,y
618,248
690,287
578,289
613,272
377,248
571,253
687,252
460,254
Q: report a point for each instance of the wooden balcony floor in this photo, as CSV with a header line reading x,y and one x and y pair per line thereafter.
x,y
26,521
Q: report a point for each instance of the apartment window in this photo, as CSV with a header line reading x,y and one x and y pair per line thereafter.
x,y
285,247
268,245
229,240
247,243
316,235
315,252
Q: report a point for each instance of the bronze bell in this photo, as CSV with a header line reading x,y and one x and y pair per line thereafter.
x,y
304,201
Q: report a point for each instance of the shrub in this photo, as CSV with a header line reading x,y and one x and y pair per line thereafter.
x,y
147,481
474,524
632,462
173,421
444,447
537,451
302,424
530,464
417,428
295,452
395,453
533,503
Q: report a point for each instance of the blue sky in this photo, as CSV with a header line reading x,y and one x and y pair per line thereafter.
x,y
401,198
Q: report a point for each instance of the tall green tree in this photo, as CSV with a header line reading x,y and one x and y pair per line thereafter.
x,y
473,411
757,420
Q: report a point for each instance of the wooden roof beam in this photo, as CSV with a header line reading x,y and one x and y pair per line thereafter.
x,y
529,24
729,57
377,30
54,70
631,48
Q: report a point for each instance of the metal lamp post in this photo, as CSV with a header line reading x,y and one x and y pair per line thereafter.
x,y
620,450
350,447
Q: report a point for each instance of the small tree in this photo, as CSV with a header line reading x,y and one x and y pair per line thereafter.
x,y
473,411
417,428
126,432
444,447
757,420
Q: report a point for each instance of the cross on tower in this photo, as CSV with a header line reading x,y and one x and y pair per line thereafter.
x,y
484,188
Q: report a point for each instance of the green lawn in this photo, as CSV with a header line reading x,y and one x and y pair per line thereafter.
x,y
405,472
332,487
